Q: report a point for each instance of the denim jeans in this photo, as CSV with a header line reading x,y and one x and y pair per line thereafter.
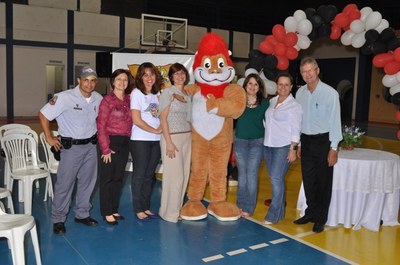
x,y
145,158
277,166
248,154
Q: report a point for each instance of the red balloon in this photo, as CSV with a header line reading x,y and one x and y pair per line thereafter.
x,y
398,134
398,115
336,32
350,7
397,54
291,39
380,60
271,39
280,49
279,32
283,62
354,14
291,53
341,20
266,47
392,68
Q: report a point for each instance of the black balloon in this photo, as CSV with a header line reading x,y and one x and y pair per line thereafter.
x,y
387,35
314,34
386,94
270,62
324,30
393,44
310,12
270,74
327,13
371,35
366,49
378,47
396,99
316,20
255,54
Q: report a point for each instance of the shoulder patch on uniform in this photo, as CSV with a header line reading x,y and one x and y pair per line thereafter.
x,y
53,100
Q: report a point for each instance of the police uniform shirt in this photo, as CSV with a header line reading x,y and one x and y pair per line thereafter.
x,y
76,118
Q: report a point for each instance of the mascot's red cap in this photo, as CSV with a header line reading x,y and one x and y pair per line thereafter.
x,y
211,44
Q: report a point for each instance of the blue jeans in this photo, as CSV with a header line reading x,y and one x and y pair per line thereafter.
x,y
248,156
277,166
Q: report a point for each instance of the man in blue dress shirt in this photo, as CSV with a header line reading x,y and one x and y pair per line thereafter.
x,y
321,133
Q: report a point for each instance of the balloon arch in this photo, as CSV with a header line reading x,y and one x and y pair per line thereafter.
x,y
364,29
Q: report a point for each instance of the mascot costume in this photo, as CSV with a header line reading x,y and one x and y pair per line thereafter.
x,y
216,103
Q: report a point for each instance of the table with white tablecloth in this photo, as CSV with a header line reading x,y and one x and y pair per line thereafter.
x,y
365,190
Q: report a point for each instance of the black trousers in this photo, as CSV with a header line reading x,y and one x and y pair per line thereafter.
x,y
112,174
317,175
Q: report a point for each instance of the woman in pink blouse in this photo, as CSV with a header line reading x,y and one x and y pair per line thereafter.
x,y
114,125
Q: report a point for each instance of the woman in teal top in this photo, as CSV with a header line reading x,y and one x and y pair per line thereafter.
x,y
248,144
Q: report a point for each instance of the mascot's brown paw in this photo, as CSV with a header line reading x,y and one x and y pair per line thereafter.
x,y
193,211
224,211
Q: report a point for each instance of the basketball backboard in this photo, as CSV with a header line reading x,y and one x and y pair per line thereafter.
x,y
163,31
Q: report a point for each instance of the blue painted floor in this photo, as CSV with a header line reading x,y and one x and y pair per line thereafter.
x,y
158,242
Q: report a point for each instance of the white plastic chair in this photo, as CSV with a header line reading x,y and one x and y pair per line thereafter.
x,y
5,193
41,164
52,163
3,129
15,146
14,227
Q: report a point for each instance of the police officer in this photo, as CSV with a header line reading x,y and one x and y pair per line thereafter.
x,y
75,111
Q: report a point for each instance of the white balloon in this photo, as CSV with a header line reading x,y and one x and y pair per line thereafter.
x,y
383,25
290,24
357,26
240,81
250,71
394,89
389,80
398,76
365,11
270,86
373,20
304,27
303,41
358,40
299,15
297,47
346,37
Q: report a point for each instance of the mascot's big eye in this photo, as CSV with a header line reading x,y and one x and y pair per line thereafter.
x,y
207,63
221,63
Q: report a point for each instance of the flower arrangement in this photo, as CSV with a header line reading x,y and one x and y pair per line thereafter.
x,y
351,137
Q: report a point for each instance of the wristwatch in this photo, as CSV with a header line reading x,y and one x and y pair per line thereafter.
x,y
334,149
293,147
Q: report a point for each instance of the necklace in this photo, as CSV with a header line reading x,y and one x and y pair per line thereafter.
x,y
252,102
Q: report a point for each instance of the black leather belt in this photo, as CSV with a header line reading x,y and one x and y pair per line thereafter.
x,y
67,142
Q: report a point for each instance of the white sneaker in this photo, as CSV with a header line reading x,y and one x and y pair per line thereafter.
x,y
267,222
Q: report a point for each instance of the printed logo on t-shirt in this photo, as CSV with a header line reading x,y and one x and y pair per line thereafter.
x,y
153,109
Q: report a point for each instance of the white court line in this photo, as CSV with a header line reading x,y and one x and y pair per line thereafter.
x,y
280,240
297,238
262,245
213,258
236,252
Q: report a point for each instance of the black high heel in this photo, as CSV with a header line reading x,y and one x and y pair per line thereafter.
x,y
115,222
118,217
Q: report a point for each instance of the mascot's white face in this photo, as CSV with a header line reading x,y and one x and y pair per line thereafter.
x,y
214,71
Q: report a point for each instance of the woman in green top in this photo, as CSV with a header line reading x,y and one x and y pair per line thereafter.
x,y
248,144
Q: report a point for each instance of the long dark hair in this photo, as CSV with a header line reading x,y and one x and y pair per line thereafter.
x,y
176,67
139,78
260,82
116,73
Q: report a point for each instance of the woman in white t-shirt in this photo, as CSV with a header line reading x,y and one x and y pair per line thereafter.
x,y
145,137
